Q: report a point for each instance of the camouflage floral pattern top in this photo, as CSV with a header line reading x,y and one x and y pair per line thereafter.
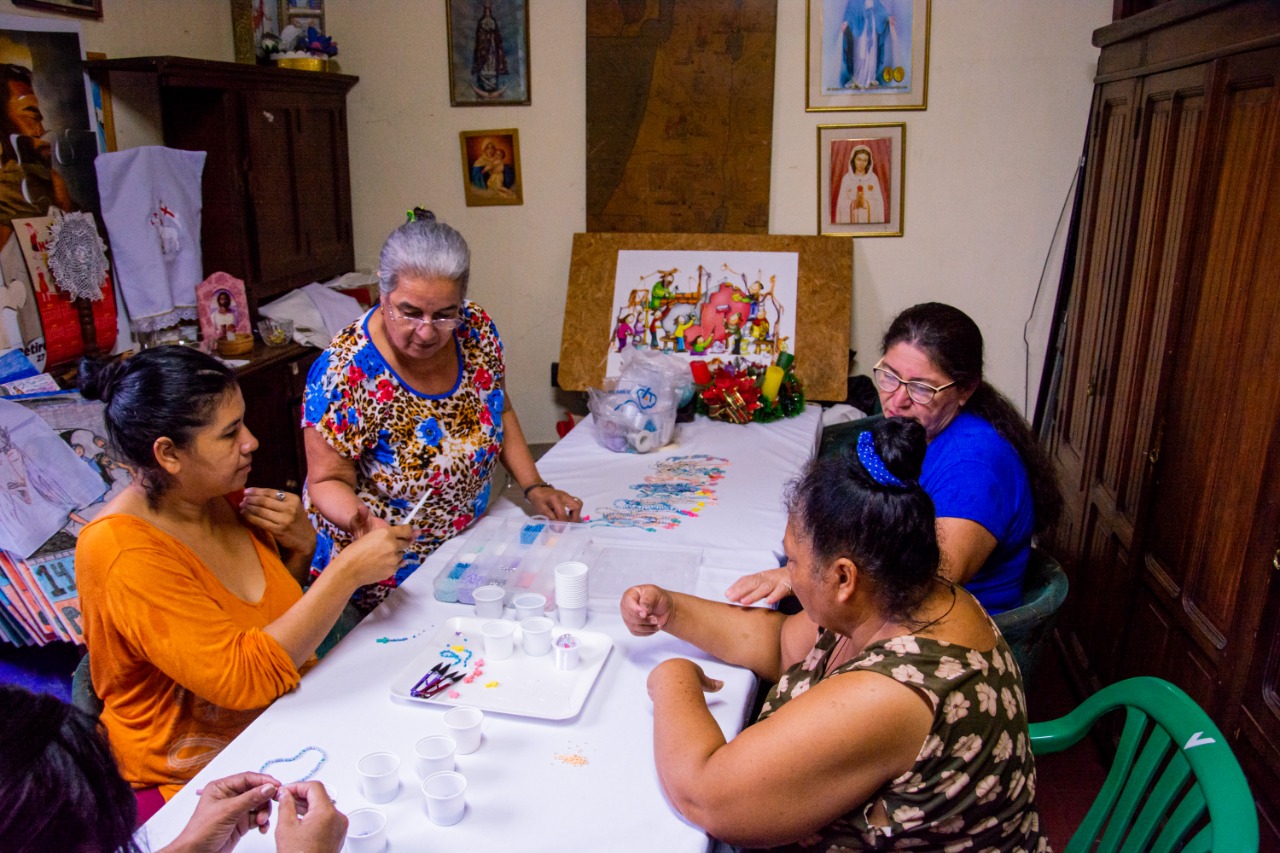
x,y
972,787
405,443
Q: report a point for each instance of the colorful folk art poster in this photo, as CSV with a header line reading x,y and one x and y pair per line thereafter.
x,y
708,306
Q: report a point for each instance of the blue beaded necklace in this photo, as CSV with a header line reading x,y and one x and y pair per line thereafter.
x,y
324,756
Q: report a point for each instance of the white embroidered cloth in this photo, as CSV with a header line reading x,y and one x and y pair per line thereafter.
x,y
151,205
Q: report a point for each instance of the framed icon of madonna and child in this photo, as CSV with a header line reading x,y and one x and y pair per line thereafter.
x,y
861,177
491,167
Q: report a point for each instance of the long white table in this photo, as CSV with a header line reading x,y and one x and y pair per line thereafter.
x,y
522,792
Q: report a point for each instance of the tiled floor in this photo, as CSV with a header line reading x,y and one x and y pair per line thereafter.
x,y
1067,782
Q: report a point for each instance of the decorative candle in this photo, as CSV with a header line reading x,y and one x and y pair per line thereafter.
x,y
701,373
785,360
772,382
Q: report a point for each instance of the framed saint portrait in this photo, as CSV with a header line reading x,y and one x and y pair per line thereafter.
x,y
488,52
491,167
867,55
223,310
861,177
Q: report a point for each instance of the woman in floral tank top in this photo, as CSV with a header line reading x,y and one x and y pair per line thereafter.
x,y
898,719
410,402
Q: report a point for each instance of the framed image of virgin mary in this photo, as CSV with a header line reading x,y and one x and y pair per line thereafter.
x,y
867,55
488,52
860,179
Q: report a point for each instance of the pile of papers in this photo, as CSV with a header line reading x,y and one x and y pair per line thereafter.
x,y
57,471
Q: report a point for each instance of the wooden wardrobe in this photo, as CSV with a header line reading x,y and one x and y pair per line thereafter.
x,y
1165,429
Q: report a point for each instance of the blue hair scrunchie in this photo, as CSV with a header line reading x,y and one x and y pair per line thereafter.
x,y
872,462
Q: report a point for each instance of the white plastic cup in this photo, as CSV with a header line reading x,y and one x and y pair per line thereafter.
x,y
530,604
464,726
434,754
446,795
379,776
499,639
535,635
366,831
573,617
571,584
489,601
566,651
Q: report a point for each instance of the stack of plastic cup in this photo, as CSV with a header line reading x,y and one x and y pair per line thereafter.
x,y
572,594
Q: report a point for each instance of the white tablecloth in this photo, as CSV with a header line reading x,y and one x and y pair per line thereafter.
x,y
522,794
734,514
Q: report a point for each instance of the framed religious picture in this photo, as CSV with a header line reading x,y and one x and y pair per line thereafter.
x,y
867,55
491,167
861,176
488,52
251,21
82,8
223,310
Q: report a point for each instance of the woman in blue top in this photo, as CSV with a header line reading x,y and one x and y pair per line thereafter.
x,y
991,483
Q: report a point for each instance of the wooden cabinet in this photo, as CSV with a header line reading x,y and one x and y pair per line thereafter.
x,y
273,387
277,186
277,208
1166,427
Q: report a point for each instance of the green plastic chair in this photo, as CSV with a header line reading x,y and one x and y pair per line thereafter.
x,y
1025,627
1174,784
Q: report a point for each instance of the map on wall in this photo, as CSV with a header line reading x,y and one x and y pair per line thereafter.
x,y
679,115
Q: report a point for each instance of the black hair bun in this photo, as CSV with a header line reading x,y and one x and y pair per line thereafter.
x,y
98,378
901,444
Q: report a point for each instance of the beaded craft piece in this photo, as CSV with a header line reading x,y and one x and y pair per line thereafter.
x,y
324,756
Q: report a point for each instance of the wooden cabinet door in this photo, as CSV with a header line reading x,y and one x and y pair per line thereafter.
x,y
1098,272
1257,739
299,187
1145,149
1205,553
1128,374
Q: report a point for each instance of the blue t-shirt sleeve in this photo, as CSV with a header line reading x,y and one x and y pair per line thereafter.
x,y
972,489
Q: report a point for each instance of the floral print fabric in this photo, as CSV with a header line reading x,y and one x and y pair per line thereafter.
x,y
405,443
972,787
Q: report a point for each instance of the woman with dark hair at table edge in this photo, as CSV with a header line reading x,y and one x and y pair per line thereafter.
x,y
897,716
194,616
62,792
991,482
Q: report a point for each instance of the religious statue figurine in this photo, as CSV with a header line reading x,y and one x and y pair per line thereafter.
x,y
488,59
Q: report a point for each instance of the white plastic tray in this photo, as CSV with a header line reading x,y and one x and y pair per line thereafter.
x,y
614,567
519,685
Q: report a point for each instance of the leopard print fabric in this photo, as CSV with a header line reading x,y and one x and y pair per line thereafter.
x,y
404,443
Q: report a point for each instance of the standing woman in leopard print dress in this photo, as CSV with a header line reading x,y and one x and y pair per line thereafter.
x,y
897,719
410,401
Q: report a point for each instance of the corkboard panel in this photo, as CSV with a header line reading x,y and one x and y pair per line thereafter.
x,y
679,115
824,302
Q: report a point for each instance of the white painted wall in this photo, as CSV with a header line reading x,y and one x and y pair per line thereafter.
x,y
988,167
988,163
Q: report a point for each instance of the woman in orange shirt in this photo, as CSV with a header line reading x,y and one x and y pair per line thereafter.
x,y
194,615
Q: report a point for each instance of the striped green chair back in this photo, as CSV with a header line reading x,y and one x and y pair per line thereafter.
x,y
1174,785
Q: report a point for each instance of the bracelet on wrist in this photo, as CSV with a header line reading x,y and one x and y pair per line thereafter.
x,y
538,485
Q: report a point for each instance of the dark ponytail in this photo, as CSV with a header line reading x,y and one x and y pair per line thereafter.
x,y
166,391
845,509
954,344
